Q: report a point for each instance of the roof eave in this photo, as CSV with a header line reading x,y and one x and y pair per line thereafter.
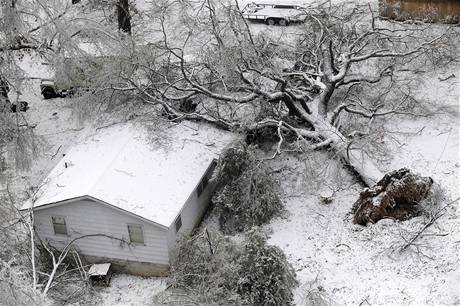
x,y
88,197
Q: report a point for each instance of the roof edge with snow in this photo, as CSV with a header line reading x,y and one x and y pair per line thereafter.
x,y
27,206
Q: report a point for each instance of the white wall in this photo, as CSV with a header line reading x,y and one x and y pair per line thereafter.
x,y
191,214
90,217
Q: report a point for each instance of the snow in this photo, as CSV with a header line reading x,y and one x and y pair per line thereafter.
x,y
129,290
351,263
431,145
346,264
151,176
302,3
35,67
99,269
341,263
268,11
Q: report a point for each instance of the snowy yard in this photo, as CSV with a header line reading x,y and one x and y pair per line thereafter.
x,y
336,262
349,264
128,290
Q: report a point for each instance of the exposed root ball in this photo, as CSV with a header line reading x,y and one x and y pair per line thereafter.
x,y
397,195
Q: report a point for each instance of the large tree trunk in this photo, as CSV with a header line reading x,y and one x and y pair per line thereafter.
x,y
354,157
124,19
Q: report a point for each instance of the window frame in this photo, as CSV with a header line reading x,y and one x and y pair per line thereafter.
x,y
205,178
201,186
129,233
65,225
178,223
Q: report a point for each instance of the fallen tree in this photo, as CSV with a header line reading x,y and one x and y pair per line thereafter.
x,y
331,84
313,88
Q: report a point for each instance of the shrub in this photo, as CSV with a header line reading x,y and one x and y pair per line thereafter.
x,y
267,277
16,285
246,195
234,161
203,266
215,270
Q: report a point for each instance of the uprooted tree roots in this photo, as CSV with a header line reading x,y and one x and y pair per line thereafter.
x,y
397,195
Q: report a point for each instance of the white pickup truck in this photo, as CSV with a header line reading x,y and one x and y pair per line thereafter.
x,y
272,14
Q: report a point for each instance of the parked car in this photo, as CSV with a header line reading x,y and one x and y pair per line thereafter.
x,y
74,74
271,14
50,90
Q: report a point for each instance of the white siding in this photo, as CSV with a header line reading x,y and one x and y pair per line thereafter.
x,y
89,217
192,213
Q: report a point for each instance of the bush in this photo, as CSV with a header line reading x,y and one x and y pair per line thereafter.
x,y
246,195
267,277
16,285
214,270
204,266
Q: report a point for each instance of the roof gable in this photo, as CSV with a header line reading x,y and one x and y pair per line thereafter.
x,y
99,202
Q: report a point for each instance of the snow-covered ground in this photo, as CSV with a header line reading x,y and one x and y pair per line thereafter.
x,y
54,126
335,260
347,264
128,290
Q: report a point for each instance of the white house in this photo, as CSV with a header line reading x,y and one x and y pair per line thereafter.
x,y
133,189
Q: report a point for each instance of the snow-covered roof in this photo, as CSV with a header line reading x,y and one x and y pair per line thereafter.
x,y
243,3
147,173
99,269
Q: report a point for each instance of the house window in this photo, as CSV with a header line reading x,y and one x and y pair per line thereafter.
x,y
136,235
178,223
206,177
202,185
59,225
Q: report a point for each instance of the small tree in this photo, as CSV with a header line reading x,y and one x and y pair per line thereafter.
x,y
268,278
43,30
246,195
15,285
213,269
17,271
